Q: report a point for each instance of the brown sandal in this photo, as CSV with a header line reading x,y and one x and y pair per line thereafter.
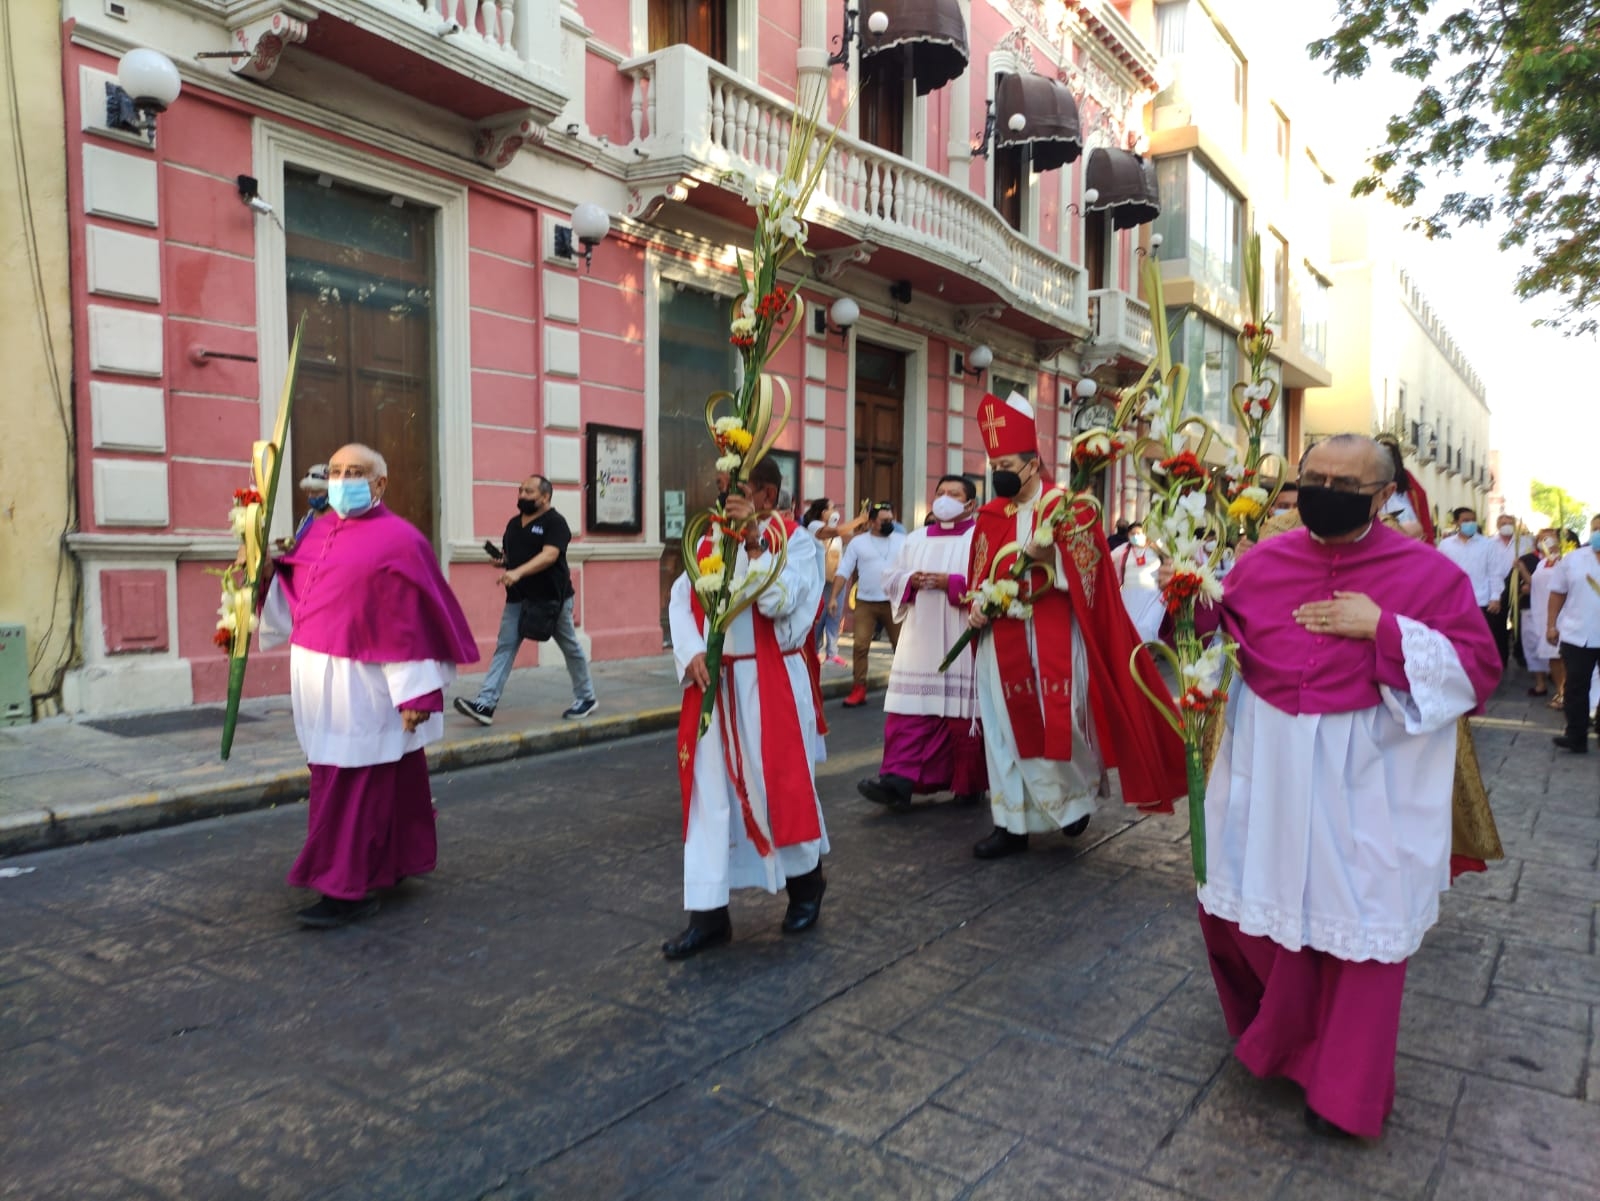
x,y
1558,701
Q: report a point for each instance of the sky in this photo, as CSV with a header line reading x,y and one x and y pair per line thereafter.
x,y
1544,388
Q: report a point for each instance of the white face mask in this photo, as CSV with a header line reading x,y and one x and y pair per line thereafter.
x,y
1507,530
947,508
1138,539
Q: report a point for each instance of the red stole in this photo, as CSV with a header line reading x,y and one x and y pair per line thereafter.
x,y
1131,735
785,758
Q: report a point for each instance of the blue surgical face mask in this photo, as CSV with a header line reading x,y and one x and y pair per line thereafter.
x,y
1594,539
1469,529
318,502
349,498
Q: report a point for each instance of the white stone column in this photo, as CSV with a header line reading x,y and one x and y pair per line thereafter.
x,y
960,124
811,59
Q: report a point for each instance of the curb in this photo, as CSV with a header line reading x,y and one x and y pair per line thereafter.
x,y
88,821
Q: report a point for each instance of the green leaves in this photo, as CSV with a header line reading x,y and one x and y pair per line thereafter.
x,y
1508,82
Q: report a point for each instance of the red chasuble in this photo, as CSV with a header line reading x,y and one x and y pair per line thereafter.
x,y
791,796
1130,734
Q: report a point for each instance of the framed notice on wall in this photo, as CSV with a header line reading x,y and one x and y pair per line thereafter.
x,y
789,464
614,488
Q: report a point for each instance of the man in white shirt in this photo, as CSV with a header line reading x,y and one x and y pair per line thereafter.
x,y
1574,626
866,558
1506,547
1479,558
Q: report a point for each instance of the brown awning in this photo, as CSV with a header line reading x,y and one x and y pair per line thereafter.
x,y
929,33
1127,187
1051,114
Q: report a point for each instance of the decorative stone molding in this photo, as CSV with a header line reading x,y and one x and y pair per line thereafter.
x,y
829,265
968,316
496,145
263,42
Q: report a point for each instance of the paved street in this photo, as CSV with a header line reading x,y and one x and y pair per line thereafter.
x,y
1039,1027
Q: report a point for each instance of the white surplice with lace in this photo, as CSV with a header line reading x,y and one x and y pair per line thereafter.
x,y
1332,830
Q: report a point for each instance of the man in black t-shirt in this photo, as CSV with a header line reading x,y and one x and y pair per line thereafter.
x,y
534,562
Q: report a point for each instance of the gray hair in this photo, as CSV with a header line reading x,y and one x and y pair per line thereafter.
x,y
380,465
1382,460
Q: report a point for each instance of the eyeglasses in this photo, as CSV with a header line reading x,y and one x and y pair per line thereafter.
x,y
1338,483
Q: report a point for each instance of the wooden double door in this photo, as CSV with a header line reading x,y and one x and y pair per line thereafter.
x,y
880,424
360,268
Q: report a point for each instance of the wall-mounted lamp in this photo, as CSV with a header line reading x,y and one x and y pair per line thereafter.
x,y
590,225
1090,195
877,22
1016,123
1086,388
976,362
147,83
837,319
1155,245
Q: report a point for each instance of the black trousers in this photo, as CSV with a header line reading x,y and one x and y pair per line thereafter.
x,y
1580,662
1499,631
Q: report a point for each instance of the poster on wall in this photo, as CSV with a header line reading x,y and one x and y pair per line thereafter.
x,y
789,464
614,489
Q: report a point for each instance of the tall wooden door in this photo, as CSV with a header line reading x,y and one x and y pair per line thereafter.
x,y
361,270
1096,250
880,424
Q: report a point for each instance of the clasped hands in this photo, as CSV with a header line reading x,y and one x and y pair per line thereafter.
x,y
928,581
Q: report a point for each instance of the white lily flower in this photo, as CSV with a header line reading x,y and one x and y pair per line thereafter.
x,y
729,462
1193,504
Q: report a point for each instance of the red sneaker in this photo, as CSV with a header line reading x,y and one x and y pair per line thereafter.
x,y
857,697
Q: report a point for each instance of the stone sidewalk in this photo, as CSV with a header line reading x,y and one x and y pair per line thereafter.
x,y
69,780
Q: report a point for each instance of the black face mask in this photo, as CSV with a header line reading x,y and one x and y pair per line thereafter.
x,y
1329,513
884,529
1007,483
527,506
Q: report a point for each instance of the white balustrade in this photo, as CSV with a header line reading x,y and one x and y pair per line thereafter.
x,y
1122,321
685,106
485,25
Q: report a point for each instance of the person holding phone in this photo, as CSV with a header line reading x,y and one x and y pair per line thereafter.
x,y
533,569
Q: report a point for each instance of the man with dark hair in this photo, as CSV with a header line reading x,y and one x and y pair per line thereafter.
x,y
866,558
930,738
1475,555
533,559
751,818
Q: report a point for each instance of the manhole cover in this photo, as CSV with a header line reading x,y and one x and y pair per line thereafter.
x,y
176,721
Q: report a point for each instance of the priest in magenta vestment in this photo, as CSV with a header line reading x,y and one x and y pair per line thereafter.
x,y
375,638
1328,814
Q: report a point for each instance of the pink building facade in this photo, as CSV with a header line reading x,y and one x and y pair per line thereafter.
x,y
414,165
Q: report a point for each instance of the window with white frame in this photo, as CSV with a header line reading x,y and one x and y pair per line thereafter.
x,y
1314,315
1202,220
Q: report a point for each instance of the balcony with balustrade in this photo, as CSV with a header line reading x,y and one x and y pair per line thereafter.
x,y
1120,329
703,135
494,62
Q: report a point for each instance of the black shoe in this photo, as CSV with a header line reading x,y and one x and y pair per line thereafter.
x,y
967,798
330,912
1077,827
581,709
891,790
703,933
1000,844
802,915
1577,747
482,714
1318,1124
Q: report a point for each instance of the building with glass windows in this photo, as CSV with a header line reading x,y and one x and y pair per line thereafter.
x,y
403,174
1228,163
1408,376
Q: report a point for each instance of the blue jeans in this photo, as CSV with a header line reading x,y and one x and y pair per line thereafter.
x,y
510,638
826,633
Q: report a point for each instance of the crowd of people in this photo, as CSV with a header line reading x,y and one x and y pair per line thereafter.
x,y
1320,884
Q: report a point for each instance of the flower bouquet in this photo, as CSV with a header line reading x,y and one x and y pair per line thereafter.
x,y
250,518
1188,507
1253,402
1015,578
745,424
